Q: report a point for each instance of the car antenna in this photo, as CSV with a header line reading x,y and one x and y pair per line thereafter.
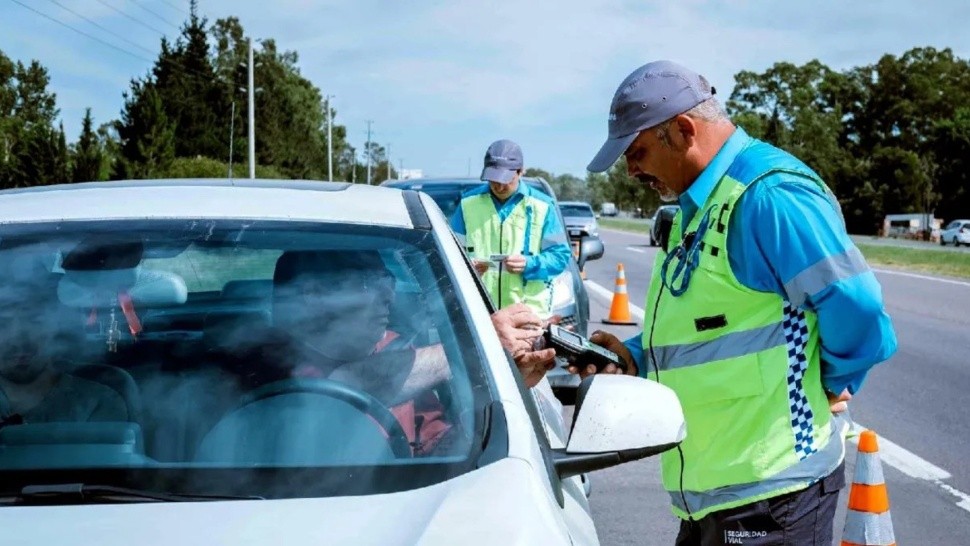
x,y
232,132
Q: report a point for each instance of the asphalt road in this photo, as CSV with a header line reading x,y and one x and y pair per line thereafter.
x,y
916,402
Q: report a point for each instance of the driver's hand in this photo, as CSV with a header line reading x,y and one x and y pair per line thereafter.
x,y
481,266
518,330
612,343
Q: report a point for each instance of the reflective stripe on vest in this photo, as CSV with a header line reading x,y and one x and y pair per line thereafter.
x,y
793,478
520,233
744,363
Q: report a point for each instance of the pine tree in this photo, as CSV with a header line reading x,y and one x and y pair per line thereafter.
x,y
88,155
147,136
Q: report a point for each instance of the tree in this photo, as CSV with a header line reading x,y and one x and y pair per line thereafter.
x,y
146,135
88,156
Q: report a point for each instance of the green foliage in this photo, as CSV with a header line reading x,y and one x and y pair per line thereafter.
x,y
891,137
205,167
88,156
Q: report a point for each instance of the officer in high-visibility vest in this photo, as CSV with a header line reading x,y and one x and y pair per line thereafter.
x,y
512,233
762,315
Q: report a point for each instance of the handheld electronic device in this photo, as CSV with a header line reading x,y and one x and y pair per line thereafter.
x,y
575,348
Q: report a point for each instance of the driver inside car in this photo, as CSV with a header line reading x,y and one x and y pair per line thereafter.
x,y
336,305
34,339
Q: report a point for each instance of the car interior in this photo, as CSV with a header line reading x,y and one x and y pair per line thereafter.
x,y
182,361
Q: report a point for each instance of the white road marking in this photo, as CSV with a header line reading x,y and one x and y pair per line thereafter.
x,y
607,295
890,452
923,277
915,466
634,249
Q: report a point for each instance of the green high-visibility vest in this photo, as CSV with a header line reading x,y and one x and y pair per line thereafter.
x,y
745,365
520,233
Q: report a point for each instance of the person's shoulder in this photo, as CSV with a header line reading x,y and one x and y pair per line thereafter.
x,y
474,191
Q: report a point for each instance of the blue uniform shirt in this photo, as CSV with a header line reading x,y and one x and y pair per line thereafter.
x,y
554,253
786,237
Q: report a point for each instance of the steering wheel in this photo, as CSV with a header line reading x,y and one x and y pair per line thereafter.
x,y
363,402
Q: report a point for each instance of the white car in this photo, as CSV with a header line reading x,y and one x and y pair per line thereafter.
x,y
182,401
956,233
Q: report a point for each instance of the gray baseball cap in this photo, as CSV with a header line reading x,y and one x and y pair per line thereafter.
x,y
649,96
502,159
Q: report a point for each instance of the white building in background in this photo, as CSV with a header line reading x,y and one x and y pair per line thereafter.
x,y
407,174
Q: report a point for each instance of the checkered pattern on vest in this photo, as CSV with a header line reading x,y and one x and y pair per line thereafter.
x,y
802,419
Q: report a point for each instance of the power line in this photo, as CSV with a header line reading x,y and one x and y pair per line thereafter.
x,y
102,28
156,14
112,46
173,6
146,25
175,66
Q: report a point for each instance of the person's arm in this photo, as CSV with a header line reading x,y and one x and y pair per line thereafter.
x,y
554,253
789,238
518,328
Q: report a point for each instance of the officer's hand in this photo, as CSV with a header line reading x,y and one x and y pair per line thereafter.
x,y
611,342
515,263
481,266
839,403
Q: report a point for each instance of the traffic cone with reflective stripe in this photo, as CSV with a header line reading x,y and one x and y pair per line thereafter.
x,y
867,522
620,308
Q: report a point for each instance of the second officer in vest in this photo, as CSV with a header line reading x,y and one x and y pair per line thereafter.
x,y
512,233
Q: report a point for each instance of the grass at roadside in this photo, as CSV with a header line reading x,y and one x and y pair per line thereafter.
x,y
954,264
633,226
939,262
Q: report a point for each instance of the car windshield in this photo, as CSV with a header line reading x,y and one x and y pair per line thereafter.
x,y
576,210
448,195
275,359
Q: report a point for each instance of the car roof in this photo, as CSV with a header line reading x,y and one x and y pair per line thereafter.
x,y
420,183
576,204
286,200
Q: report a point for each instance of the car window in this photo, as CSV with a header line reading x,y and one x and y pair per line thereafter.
x,y
576,210
202,353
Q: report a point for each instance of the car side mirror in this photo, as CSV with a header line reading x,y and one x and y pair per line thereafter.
x,y
590,248
618,419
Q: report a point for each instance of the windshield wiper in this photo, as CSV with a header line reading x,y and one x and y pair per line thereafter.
x,y
79,493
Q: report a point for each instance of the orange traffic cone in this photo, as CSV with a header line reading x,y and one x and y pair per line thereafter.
x,y
620,307
867,522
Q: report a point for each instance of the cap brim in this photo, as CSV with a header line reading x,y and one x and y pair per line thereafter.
x,y
610,152
498,174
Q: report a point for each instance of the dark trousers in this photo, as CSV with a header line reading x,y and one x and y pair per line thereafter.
x,y
802,518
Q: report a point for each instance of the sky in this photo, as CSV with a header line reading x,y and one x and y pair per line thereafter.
x,y
440,80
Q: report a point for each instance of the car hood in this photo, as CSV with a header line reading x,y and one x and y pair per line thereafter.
x,y
498,504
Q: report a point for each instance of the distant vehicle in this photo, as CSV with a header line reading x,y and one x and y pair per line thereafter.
x,y
608,209
579,218
663,218
228,436
957,232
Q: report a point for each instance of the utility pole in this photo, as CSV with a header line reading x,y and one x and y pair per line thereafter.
x,y
252,116
329,140
387,155
367,153
401,163
232,133
353,165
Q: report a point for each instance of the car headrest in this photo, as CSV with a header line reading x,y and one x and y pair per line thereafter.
x,y
87,289
293,263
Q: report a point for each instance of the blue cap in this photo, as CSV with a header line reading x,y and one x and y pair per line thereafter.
x,y
649,96
502,159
